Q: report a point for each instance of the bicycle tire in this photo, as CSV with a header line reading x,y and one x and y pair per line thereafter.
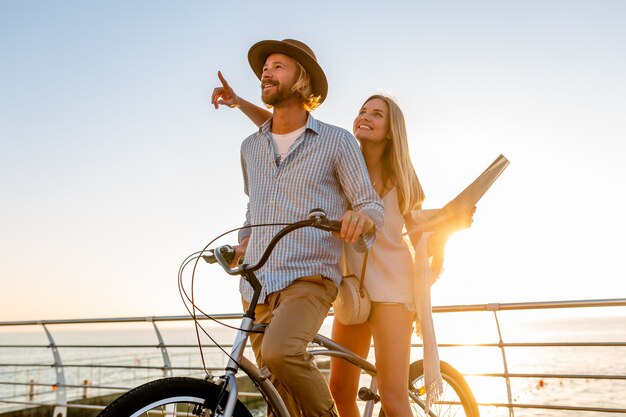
x,y
163,394
457,398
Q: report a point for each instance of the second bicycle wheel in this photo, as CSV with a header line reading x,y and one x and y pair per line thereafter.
x,y
457,398
177,396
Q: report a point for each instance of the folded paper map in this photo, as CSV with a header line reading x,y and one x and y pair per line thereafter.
x,y
427,220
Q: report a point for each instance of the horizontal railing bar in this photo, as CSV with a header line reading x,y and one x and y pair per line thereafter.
x,y
489,375
86,406
485,374
554,407
114,346
24,402
614,302
441,345
566,344
97,407
181,368
40,384
192,346
83,406
34,365
551,376
530,344
90,387
228,316
504,405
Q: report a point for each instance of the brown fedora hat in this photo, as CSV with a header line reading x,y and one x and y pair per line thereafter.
x,y
297,50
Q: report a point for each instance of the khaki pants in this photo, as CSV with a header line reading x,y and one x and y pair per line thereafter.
x,y
295,315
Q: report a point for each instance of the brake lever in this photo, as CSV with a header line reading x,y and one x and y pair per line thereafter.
x,y
226,264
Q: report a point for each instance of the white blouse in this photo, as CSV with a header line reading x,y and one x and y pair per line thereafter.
x,y
389,271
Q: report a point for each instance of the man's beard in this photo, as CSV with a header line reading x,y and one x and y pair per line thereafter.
x,y
280,94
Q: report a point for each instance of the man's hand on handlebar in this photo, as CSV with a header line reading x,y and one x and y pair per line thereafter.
x,y
240,251
353,225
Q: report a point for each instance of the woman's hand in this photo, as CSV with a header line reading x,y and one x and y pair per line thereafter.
x,y
464,220
438,240
224,95
461,221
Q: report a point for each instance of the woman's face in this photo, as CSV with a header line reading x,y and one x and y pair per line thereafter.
x,y
372,123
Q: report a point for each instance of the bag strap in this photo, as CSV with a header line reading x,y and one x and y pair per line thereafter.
x,y
361,290
344,270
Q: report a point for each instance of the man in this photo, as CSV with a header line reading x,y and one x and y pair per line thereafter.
x,y
293,164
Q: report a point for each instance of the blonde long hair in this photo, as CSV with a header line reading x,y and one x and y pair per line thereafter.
x,y
304,88
396,160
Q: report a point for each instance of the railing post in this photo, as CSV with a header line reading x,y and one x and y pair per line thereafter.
x,y
167,364
504,361
15,378
86,384
60,408
31,390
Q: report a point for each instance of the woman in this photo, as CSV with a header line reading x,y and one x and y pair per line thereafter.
x,y
381,131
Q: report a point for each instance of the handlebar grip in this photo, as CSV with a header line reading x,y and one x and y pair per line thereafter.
x,y
227,252
328,225
334,225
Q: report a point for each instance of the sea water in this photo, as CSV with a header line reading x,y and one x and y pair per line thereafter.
x,y
26,365
545,327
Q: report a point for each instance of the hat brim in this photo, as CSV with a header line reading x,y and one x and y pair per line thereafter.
x,y
259,52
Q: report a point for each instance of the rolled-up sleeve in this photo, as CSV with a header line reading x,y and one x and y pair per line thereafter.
x,y
245,231
358,188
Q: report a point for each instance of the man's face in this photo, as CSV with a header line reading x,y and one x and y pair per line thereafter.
x,y
280,72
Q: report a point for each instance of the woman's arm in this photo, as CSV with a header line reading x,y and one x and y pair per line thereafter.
x,y
409,223
442,232
225,95
435,247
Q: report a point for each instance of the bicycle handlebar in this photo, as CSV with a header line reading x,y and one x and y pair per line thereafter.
x,y
225,254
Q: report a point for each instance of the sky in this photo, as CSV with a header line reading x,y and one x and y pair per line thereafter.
x,y
114,167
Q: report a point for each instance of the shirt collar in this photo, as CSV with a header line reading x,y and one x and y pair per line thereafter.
x,y
311,124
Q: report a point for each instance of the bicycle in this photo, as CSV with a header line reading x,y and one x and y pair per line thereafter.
x,y
217,396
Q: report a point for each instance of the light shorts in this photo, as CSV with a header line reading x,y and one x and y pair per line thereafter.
x,y
407,306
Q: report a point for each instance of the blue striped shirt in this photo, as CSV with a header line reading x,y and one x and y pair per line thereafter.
x,y
323,169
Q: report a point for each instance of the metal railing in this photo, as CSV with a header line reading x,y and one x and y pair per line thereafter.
x,y
21,389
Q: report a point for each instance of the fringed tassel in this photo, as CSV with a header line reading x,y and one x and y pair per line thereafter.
x,y
424,326
433,392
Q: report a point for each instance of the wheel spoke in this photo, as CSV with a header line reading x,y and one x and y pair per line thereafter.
x,y
456,399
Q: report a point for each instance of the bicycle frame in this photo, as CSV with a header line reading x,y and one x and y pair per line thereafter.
x,y
217,395
260,377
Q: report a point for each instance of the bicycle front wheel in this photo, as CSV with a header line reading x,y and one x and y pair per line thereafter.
x,y
177,396
457,398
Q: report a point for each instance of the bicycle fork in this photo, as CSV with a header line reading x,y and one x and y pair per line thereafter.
x,y
371,398
229,379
